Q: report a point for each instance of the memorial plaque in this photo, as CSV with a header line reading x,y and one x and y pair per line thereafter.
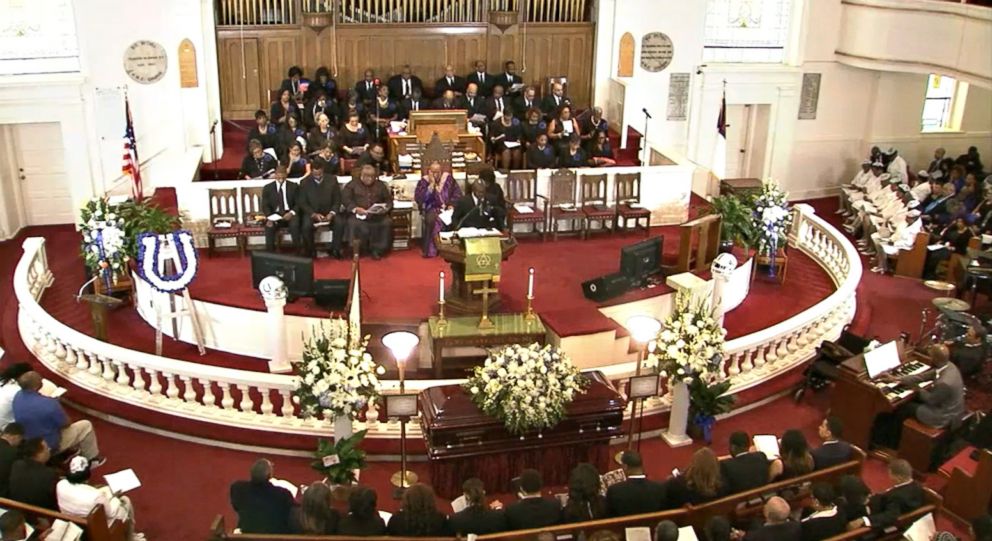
x,y
678,96
656,51
145,61
625,64
187,65
810,96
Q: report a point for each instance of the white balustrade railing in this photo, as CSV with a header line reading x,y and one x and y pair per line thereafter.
x,y
262,401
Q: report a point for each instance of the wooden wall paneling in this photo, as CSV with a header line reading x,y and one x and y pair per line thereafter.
x,y
240,84
279,52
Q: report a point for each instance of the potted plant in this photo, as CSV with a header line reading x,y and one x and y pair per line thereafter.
x,y
736,222
706,401
340,462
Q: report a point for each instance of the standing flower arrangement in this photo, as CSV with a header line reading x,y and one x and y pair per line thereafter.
x,y
104,237
336,380
772,219
526,388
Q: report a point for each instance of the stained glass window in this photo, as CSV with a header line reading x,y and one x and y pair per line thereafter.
x,y
37,36
746,30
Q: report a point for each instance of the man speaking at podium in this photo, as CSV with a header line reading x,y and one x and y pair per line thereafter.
x,y
478,210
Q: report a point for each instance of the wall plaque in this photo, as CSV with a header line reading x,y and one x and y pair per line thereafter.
x,y
810,96
187,65
656,51
145,61
678,96
625,64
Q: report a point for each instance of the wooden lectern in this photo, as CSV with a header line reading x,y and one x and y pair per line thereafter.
x,y
699,241
460,297
99,303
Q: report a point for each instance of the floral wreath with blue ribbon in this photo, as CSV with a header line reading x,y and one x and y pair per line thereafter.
x,y
149,249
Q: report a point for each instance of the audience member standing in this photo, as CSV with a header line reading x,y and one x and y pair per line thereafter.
x,y
43,417
637,494
532,510
477,518
31,480
261,506
419,516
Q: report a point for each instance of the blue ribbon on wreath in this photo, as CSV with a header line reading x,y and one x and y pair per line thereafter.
x,y
705,423
772,252
156,249
103,257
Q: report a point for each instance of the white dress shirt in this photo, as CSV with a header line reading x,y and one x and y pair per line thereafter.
x,y
78,499
921,191
7,393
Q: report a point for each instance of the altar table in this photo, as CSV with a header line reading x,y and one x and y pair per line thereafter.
x,y
465,331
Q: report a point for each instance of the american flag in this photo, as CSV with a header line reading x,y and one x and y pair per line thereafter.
x,y
130,165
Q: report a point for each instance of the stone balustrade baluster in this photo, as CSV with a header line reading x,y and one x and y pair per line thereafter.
x,y
266,408
209,399
227,402
108,369
245,405
189,393
122,378
154,385
138,382
287,403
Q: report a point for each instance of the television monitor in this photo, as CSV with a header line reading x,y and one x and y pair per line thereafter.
x,y
641,259
296,272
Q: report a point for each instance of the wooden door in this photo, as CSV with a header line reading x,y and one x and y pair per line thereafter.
x,y
240,85
44,184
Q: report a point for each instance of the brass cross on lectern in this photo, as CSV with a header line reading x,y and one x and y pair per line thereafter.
x,y
485,322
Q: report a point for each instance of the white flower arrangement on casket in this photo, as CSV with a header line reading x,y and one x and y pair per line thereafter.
x,y
526,387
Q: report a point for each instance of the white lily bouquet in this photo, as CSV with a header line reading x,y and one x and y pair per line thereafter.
x,y
772,217
102,228
527,388
689,345
336,379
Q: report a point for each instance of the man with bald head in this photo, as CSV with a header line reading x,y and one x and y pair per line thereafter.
x,y
904,495
447,101
472,102
777,526
553,102
450,81
43,417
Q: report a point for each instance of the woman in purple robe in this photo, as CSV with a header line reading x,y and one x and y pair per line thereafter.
x,y
436,192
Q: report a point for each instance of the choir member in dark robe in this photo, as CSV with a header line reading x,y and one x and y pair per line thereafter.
x,y
402,85
264,131
382,112
573,155
322,81
289,133
281,109
436,192
561,128
376,157
321,104
258,163
332,162
297,164
450,81
525,102
352,105
541,155
481,79
415,102
353,139
503,131
366,88
320,202
321,133
592,124
509,78
369,201
533,126
600,151
280,197
294,83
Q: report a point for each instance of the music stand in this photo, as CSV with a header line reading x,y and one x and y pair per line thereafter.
x,y
401,407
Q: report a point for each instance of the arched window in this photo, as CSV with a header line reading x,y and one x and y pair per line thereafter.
x,y
37,36
746,30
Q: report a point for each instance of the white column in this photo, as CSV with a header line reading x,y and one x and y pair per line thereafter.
x,y
273,292
678,418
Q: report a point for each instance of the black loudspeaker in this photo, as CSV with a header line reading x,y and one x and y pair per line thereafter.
x,y
606,287
331,294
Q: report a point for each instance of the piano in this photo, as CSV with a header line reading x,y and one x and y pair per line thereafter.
x,y
463,442
857,399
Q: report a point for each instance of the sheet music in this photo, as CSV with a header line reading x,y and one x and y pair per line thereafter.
x,y
882,359
923,529
511,144
640,533
475,232
768,444
459,503
122,481
293,489
523,208
686,533
446,216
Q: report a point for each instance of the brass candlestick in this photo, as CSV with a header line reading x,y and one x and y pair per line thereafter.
x,y
529,315
441,321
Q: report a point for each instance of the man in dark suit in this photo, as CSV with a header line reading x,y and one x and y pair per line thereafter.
x,y
552,102
476,209
402,85
261,506
509,77
903,496
833,451
477,518
532,510
480,78
31,480
637,494
450,81
447,101
525,102
367,88
472,102
497,103
280,197
415,102
10,446
777,526
320,201
825,518
745,469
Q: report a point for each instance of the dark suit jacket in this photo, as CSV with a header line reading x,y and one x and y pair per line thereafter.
x,y
520,107
395,85
270,198
407,105
320,198
831,454
33,483
479,521
8,454
549,106
886,507
538,159
507,81
487,215
365,94
399,524
745,471
817,529
287,84
261,507
786,531
533,513
485,88
439,104
477,105
350,525
635,496
457,85
490,106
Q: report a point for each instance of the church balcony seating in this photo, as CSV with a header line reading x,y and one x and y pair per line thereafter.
x,y
95,526
563,204
593,202
521,190
225,220
627,197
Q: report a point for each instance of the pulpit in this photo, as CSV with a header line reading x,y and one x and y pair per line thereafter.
x,y
463,442
461,297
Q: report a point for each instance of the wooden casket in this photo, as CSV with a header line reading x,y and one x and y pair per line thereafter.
x,y
463,442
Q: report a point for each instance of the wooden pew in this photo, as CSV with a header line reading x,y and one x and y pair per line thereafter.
x,y
95,527
967,495
933,505
910,262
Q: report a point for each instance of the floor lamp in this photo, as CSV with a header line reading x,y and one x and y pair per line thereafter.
x,y
402,406
642,329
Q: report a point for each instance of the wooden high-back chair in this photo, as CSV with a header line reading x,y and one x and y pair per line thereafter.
x,y
521,193
225,219
627,198
593,198
251,209
562,202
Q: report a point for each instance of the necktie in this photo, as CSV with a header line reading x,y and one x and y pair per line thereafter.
x,y
450,82
416,106
406,87
368,85
557,100
282,199
482,77
471,102
499,104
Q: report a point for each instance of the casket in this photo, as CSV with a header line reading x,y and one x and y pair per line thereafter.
x,y
463,442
